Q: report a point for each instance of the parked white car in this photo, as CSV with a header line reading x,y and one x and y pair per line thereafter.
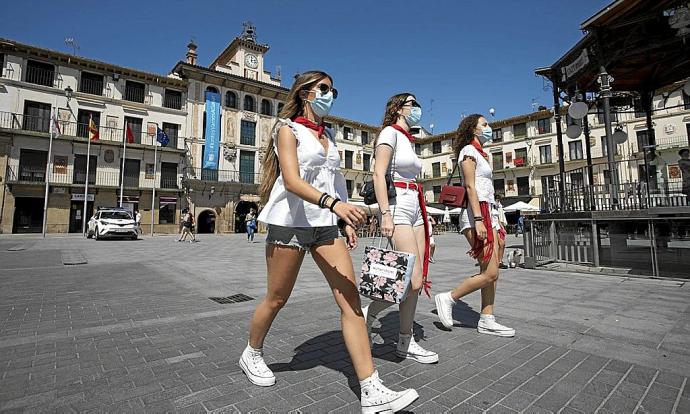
x,y
112,222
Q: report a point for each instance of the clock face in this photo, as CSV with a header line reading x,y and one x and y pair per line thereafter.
x,y
251,61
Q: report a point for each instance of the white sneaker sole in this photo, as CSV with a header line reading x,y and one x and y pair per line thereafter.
x,y
260,381
439,304
506,334
407,398
430,359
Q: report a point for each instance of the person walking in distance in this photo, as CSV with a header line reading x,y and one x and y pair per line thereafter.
x,y
250,224
480,225
403,218
305,200
187,224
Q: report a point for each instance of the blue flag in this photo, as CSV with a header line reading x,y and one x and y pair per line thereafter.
x,y
162,137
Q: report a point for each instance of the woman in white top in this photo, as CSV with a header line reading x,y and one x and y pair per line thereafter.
x,y
480,225
307,197
404,217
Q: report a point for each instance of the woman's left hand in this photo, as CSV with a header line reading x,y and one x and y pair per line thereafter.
x,y
351,236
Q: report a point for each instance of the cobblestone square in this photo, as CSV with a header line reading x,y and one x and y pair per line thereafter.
x,y
133,330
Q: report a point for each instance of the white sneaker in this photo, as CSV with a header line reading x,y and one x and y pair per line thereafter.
x,y
377,398
444,308
253,365
408,348
488,325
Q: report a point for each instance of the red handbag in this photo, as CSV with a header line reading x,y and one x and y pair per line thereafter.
x,y
453,195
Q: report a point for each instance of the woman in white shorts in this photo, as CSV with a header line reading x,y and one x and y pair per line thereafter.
x,y
404,217
480,224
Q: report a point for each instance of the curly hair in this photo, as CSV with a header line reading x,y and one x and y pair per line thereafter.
x,y
394,104
465,132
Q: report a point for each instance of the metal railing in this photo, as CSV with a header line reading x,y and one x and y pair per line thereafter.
x,y
632,193
10,120
172,100
134,94
68,175
40,76
205,174
674,141
91,86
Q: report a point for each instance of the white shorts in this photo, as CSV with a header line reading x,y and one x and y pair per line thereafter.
x,y
467,222
405,209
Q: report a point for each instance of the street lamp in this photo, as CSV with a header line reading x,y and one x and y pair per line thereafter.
x,y
68,93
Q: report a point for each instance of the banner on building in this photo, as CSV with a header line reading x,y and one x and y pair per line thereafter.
x,y
212,135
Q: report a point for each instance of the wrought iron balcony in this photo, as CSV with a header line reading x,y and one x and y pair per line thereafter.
x,y
10,120
229,176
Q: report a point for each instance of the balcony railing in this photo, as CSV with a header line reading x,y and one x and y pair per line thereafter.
x,y
9,120
68,175
172,100
91,86
205,174
134,94
674,141
40,76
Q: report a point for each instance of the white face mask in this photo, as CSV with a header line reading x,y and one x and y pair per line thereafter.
x,y
486,136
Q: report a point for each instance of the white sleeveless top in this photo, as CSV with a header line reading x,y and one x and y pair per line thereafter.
x,y
317,168
483,176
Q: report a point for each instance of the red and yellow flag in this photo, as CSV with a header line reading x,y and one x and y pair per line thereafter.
x,y
93,130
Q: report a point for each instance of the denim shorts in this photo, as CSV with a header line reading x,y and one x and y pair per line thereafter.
x,y
303,238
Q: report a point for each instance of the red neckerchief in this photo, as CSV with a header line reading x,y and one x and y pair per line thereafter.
x,y
479,148
309,124
401,129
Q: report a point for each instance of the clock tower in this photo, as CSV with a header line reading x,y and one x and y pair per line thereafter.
x,y
245,57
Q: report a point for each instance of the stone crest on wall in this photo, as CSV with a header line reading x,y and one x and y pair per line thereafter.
x,y
249,116
229,151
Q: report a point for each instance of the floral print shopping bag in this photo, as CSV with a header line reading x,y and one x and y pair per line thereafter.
x,y
386,274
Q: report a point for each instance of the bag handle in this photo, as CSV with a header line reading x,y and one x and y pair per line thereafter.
x,y
389,239
450,177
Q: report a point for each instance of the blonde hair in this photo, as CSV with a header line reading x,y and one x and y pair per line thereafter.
x,y
294,106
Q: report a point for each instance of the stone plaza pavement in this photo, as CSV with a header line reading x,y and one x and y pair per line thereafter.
x,y
133,330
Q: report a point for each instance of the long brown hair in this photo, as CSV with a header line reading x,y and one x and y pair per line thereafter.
x,y
294,106
394,104
465,133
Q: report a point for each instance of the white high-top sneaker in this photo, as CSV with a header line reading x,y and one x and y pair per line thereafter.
x,y
488,325
408,348
377,398
444,308
253,365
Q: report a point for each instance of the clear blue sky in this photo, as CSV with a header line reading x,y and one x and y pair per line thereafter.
x,y
466,55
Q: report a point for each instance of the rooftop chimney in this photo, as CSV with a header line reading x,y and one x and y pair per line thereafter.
x,y
191,53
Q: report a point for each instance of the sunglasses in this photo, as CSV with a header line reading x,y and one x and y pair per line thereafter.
x,y
324,89
412,103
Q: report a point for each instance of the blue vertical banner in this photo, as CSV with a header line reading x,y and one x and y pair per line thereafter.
x,y
212,135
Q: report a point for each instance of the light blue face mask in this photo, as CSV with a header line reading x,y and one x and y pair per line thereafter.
x,y
321,105
487,135
414,117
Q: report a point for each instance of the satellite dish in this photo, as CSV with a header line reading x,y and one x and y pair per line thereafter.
x,y
578,110
573,131
619,136
686,88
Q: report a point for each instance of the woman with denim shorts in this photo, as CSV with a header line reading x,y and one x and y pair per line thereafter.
x,y
305,199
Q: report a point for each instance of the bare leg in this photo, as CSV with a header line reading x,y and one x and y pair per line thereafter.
x,y
487,276
335,263
489,292
410,240
283,264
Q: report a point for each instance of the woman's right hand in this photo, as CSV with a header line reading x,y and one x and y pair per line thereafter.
x,y
480,229
387,226
351,214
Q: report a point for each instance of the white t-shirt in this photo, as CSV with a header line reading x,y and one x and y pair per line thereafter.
x,y
317,168
483,176
407,164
